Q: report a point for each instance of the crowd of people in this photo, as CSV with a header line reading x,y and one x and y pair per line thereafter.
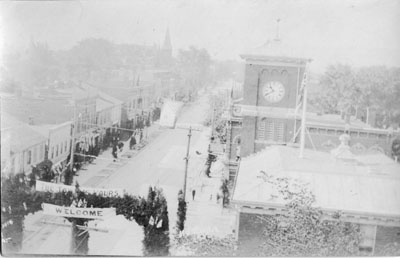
x,y
135,138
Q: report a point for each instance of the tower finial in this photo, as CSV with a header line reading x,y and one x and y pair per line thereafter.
x,y
277,29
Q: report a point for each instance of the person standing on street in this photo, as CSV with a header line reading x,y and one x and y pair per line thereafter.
x,y
193,193
115,151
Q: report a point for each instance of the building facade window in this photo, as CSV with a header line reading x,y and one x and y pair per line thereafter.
x,y
52,152
41,152
29,157
65,146
13,165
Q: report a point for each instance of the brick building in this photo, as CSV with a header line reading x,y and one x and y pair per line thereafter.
x,y
268,114
263,135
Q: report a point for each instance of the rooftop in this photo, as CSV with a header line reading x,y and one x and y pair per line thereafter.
x,y
102,104
22,136
333,120
42,111
276,50
367,184
45,129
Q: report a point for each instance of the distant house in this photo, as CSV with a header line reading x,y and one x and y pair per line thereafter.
x,y
26,146
137,102
58,144
108,110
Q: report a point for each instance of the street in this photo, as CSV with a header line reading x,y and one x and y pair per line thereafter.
x,y
160,163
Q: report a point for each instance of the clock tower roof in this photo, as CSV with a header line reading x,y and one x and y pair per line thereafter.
x,y
275,50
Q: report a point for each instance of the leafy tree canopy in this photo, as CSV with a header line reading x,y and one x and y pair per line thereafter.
x,y
303,230
346,89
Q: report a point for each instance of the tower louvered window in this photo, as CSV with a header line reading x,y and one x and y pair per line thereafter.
x,y
261,129
279,131
271,130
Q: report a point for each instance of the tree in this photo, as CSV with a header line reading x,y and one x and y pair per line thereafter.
x,y
215,115
339,90
156,228
194,66
348,90
91,55
225,192
181,214
205,245
303,230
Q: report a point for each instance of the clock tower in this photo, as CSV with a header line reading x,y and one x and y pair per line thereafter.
x,y
271,93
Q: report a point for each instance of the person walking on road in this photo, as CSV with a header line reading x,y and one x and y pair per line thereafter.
x,y
193,193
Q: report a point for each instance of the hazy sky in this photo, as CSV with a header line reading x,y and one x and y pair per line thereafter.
x,y
365,32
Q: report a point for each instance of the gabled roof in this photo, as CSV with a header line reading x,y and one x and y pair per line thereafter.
x,y
122,94
109,98
80,92
45,129
102,104
370,184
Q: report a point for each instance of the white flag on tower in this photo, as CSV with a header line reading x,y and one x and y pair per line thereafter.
x,y
300,96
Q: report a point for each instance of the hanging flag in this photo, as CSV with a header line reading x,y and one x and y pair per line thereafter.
x,y
300,96
304,81
159,224
151,221
73,204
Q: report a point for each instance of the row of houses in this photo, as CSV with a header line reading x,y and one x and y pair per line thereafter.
x,y
39,127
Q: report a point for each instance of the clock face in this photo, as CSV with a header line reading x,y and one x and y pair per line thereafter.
x,y
274,91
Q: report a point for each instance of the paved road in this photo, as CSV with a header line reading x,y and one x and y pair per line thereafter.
x,y
160,163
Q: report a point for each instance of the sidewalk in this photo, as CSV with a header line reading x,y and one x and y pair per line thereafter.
x,y
204,215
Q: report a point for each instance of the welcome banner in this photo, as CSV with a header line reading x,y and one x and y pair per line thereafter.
x,y
55,188
73,212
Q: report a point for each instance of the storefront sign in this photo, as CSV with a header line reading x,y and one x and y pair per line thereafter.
x,y
56,188
73,212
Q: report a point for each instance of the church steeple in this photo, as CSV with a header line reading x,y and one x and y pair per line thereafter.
x,y
167,41
165,52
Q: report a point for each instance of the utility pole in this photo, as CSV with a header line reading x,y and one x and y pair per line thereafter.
x,y
213,121
303,123
73,139
186,164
